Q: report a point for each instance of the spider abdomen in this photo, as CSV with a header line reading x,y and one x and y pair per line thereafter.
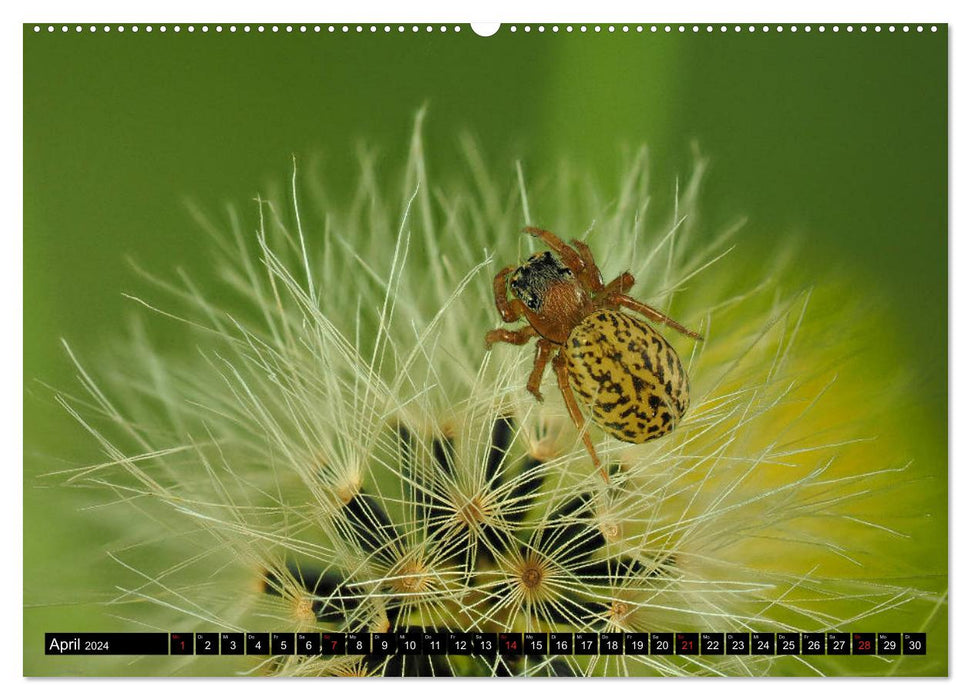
x,y
627,375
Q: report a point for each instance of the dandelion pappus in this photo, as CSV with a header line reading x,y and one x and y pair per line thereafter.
x,y
625,373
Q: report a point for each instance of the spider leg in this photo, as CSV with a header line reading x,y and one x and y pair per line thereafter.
x,y
510,309
569,256
563,380
520,336
651,313
543,350
591,278
620,285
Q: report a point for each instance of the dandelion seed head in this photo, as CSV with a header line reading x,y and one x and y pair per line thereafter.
x,y
619,610
611,530
303,608
472,511
531,582
348,488
548,433
410,576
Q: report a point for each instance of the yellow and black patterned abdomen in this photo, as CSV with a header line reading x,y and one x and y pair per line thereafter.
x,y
627,375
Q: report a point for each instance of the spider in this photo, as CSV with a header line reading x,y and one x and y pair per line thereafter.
x,y
625,372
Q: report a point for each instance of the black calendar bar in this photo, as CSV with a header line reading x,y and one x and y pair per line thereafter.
x,y
441,643
106,643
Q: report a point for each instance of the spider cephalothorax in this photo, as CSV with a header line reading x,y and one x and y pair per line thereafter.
x,y
624,371
555,300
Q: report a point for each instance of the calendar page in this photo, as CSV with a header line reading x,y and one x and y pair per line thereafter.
x,y
535,349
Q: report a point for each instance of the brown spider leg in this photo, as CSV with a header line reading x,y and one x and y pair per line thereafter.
x,y
590,277
520,336
651,313
510,309
620,285
543,349
569,256
563,380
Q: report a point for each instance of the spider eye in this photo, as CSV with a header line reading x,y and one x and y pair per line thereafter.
x,y
526,293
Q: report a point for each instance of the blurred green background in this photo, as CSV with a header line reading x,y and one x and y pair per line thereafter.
x,y
840,138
